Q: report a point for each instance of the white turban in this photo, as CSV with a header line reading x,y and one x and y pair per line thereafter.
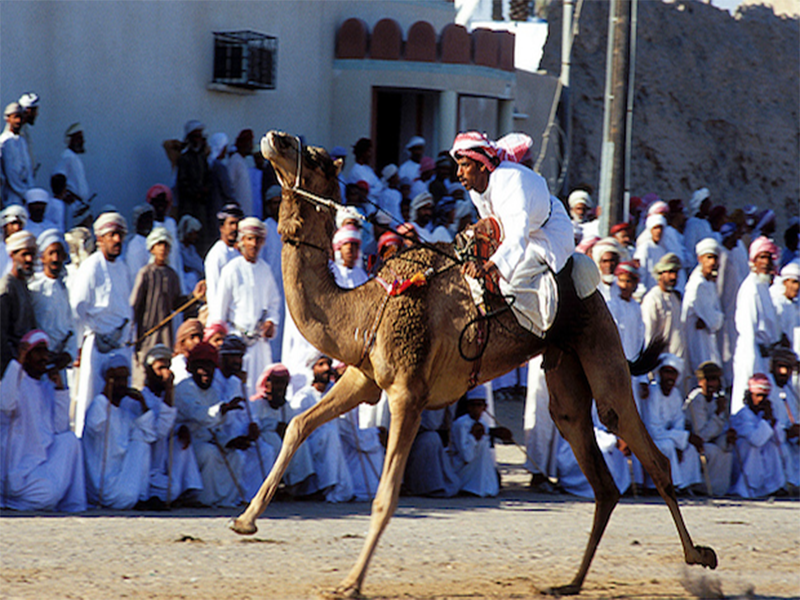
x,y
420,200
252,226
108,222
655,221
29,100
217,142
13,213
49,237
670,360
37,195
659,207
791,271
19,241
388,172
187,225
415,141
344,213
72,130
158,235
608,244
191,126
697,199
580,197
707,246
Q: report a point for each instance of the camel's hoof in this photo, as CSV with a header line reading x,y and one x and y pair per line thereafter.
x,y
241,527
341,593
571,589
705,556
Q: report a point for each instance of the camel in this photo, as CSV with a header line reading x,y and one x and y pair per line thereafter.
x,y
408,345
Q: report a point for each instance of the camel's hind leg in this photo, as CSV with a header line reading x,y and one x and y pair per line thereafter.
x,y
570,407
604,364
406,409
351,390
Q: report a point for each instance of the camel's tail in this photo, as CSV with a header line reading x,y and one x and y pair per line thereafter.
x,y
648,358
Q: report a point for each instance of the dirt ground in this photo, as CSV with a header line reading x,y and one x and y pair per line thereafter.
x,y
513,546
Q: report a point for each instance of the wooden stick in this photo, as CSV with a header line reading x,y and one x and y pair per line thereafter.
x,y
165,320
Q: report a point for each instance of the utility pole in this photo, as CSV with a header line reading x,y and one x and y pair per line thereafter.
x,y
612,164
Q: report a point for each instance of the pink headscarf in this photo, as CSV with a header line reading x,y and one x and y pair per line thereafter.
x,y
629,267
759,384
763,244
276,369
346,234
156,191
215,327
477,146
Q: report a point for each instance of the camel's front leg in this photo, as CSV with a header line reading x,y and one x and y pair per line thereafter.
x,y
351,390
406,416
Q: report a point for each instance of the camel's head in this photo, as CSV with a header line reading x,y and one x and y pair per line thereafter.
x,y
318,175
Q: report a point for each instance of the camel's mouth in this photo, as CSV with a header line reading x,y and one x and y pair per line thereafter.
x,y
281,150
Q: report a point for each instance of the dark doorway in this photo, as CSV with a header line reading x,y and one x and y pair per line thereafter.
x,y
398,115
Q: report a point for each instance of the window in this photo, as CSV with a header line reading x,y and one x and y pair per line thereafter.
x,y
245,59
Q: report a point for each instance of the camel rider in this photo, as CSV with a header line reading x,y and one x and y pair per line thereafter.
x,y
536,232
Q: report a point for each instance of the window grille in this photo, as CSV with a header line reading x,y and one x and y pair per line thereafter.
x,y
245,59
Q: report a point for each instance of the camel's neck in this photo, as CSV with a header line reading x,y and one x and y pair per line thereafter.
x,y
322,311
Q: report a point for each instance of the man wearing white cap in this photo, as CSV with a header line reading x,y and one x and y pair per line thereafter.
x,y
391,197
784,292
12,219
224,249
271,253
37,200
51,298
16,170
607,254
100,296
416,149
650,251
665,421
248,299
16,308
42,467
701,312
697,227
71,164
580,207
29,101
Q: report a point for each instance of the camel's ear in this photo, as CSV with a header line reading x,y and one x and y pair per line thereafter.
x,y
338,164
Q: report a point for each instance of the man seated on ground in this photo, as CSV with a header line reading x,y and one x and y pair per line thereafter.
x,y
173,464
189,334
272,414
331,478
42,466
537,232
786,408
429,470
117,435
206,415
708,414
471,448
666,423
758,448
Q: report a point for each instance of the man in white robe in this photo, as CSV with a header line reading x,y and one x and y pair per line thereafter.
x,y
607,254
99,296
784,292
42,466
223,251
332,478
173,466
708,416
210,420
118,432
71,165
362,171
248,299
650,251
363,449
272,413
701,313
136,253
626,312
537,234
661,308
429,470
37,200
416,149
240,173
51,299
666,423
271,253
472,452
12,219
347,265
541,435
16,170
758,443
728,283
757,322
697,227
785,401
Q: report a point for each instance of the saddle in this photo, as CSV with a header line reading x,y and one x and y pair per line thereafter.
x,y
479,242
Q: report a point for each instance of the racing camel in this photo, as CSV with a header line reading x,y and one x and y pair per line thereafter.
x,y
412,345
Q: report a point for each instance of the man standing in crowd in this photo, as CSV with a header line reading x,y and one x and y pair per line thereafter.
x,y
223,251
29,101
71,165
15,161
240,172
194,180
16,308
661,307
100,297
416,149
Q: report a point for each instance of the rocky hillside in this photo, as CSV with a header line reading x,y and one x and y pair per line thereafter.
x,y
716,102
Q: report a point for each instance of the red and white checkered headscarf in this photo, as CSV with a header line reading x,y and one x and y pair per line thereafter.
x,y
345,235
759,384
477,146
514,147
763,244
